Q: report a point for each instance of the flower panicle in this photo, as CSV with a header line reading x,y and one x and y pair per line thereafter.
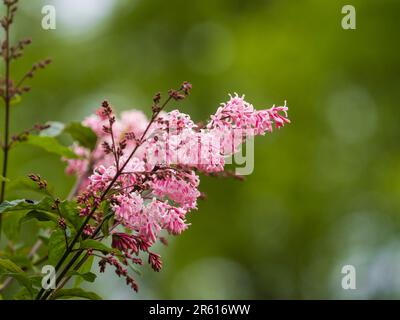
x,y
151,189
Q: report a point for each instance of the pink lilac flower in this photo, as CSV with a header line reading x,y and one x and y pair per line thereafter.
x,y
265,119
95,123
119,270
155,261
125,242
134,121
159,185
236,113
147,223
178,190
101,176
88,230
127,208
173,139
174,220
175,121
80,165
239,114
210,151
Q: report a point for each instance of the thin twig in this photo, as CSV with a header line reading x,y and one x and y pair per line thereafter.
x,y
6,53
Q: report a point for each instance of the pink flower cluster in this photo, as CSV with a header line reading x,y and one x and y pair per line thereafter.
x,y
147,169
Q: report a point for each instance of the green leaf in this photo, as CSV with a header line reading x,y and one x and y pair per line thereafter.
x,y
23,294
80,133
105,228
96,245
23,280
57,246
76,292
19,257
87,276
17,205
69,211
18,211
36,280
44,235
10,266
25,184
86,267
11,225
84,135
23,204
40,215
14,271
108,220
55,129
50,144
40,210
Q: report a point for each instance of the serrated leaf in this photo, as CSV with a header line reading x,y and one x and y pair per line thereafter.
x,y
57,246
76,292
96,245
87,276
83,135
50,144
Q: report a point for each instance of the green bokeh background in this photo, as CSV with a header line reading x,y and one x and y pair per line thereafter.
x,y
325,191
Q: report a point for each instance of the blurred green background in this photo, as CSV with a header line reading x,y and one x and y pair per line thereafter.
x,y
325,191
